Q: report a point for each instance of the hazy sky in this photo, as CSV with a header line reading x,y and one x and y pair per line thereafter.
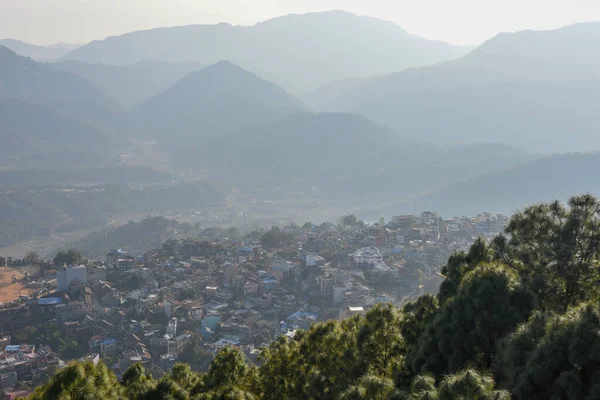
x,y
455,21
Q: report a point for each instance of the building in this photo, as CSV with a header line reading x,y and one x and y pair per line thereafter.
x,y
120,259
367,255
326,283
350,311
70,275
403,221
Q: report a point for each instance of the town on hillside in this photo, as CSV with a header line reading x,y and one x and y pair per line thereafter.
x,y
191,297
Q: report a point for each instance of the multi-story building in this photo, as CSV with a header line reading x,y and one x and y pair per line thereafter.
x,y
367,255
120,259
69,275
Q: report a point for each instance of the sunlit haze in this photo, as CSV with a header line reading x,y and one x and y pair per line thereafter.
x,y
463,22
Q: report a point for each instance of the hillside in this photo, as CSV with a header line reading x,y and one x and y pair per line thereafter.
x,y
34,129
134,237
539,116
542,180
564,54
298,52
205,104
343,156
77,174
43,210
27,81
38,53
131,84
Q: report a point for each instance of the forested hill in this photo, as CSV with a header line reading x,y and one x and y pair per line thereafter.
x,y
515,318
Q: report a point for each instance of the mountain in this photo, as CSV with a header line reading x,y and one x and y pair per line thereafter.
x,y
206,104
38,53
539,116
131,84
565,54
298,52
541,180
342,156
32,129
25,80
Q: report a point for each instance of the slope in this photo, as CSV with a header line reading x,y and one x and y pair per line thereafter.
x,y
342,156
131,84
564,54
541,180
25,80
539,116
29,129
298,52
205,104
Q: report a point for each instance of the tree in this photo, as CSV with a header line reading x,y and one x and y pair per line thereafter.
x,y
459,265
70,257
81,380
556,251
489,304
138,384
194,354
31,258
470,384
554,356
349,220
369,387
379,340
274,238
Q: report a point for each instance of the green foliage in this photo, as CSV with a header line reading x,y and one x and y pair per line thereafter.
x,y
349,220
69,257
81,380
275,238
554,357
459,264
490,302
138,384
556,251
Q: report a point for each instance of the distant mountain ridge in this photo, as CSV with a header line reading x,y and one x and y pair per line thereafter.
x,y
25,80
535,90
542,180
206,104
563,54
38,53
342,156
131,84
298,52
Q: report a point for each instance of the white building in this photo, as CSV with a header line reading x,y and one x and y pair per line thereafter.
x,y
367,255
69,275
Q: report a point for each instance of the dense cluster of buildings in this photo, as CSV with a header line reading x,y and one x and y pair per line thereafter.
x,y
206,294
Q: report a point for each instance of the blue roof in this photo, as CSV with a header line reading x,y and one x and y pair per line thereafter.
x,y
14,347
49,301
109,341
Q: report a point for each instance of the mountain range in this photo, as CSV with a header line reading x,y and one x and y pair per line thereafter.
x,y
206,104
39,53
544,179
398,117
298,52
130,84
526,89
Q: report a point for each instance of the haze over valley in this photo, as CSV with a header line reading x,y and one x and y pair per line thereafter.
x,y
309,115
